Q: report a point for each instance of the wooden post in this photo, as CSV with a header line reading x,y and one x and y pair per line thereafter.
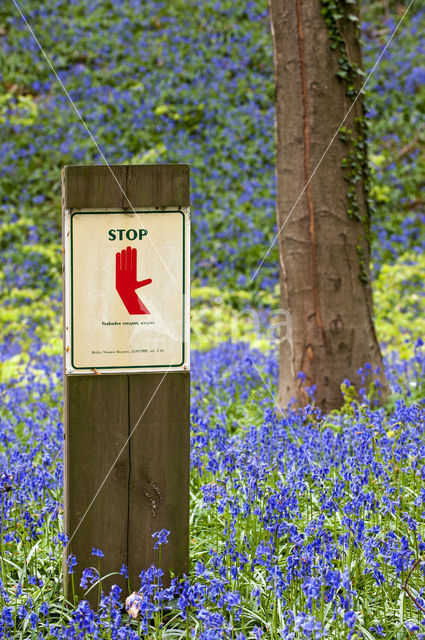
x,y
146,486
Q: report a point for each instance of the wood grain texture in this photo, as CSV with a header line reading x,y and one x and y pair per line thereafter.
x,y
96,429
122,186
159,472
147,488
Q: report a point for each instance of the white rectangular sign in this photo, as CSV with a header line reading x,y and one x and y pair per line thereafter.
x,y
127,290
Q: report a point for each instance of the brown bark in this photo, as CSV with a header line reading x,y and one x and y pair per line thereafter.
x,y
324,251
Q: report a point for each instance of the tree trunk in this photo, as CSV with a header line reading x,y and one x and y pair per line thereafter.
x,y
324,245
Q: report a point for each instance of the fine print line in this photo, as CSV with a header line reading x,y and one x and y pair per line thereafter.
x,y
49,62
331,141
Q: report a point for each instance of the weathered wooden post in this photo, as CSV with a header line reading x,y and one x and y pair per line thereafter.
x,y
126,353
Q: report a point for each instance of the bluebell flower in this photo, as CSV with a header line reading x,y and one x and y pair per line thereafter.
x,y
71,562
7,617
350,618
161,537
89,576
33,620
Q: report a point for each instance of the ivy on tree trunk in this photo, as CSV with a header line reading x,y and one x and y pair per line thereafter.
x,y
324,245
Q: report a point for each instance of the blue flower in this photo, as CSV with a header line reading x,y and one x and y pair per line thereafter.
x,y
162,537
350,618
71,562
90,575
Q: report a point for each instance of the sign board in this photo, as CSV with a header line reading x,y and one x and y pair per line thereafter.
x,y
127,290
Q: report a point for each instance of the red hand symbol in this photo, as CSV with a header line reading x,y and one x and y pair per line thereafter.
x,y
126,281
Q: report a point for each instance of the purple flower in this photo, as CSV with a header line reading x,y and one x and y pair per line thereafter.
x,y
350,619
162,537
411,626
71,562
90,575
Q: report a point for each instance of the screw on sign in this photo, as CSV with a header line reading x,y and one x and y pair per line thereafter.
x,y
126,281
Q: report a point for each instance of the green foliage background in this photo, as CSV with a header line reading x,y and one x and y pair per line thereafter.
x,y
189,81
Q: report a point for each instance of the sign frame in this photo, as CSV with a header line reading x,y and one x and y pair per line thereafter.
x,y
70,368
